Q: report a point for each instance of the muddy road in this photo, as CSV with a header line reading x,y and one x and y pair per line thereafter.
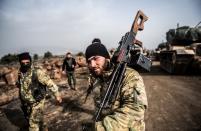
x,y
174,101
174,104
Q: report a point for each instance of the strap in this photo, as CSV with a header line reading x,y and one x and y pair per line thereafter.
x,y
34,75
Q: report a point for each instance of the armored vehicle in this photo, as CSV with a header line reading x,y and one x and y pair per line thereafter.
x,y
178,55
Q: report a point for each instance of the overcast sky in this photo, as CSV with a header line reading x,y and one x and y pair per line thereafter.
x,y
58,26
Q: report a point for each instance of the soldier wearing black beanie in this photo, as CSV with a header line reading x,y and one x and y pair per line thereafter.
x,y
25,66
96,48
24,56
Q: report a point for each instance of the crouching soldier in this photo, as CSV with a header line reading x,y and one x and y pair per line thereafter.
x,y
32,90
127,113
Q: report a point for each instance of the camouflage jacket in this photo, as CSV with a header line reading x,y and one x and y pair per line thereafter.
x,y
129,107
26,84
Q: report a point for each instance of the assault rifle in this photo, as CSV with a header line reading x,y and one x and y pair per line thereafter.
x,y
122,58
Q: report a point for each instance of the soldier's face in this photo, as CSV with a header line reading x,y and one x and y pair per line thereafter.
x,y
96,64
25,62
25,65
68,55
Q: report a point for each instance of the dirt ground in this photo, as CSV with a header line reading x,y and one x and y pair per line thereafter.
x,y
174,104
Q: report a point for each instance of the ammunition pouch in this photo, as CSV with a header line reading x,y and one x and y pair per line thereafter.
x,y
39,93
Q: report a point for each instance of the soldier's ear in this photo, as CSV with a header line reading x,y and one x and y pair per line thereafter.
x,y
108,64
107,60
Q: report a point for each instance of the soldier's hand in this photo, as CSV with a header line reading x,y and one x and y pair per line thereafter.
x,y
59,100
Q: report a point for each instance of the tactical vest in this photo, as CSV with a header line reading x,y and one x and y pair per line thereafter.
x,y
37,90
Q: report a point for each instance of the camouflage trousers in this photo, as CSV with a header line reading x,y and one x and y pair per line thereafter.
x,y
108,124
34,115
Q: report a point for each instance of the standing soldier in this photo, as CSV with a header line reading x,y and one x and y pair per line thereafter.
x,y
69,64
32,90
127,113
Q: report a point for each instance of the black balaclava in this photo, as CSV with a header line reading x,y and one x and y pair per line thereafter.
x,y
24,67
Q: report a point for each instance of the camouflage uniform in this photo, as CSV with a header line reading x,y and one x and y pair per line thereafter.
x,y
129,107
33,109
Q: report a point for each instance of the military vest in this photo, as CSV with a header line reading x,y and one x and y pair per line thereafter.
x,y
31,90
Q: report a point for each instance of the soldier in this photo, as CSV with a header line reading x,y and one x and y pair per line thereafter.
x,y
32,90
69,64
127,113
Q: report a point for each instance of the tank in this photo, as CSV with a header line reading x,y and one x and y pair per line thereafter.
x,y
178,56
156,53
196,65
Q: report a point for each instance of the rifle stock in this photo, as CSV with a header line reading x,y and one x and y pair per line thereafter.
x,y
138,23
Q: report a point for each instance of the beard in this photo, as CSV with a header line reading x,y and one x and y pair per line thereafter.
x,y
99,70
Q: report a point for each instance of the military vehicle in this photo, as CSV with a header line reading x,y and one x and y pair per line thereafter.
x,y
178,55
156,53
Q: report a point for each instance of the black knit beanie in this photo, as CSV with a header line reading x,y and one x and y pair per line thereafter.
x,y
96,48
24,56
